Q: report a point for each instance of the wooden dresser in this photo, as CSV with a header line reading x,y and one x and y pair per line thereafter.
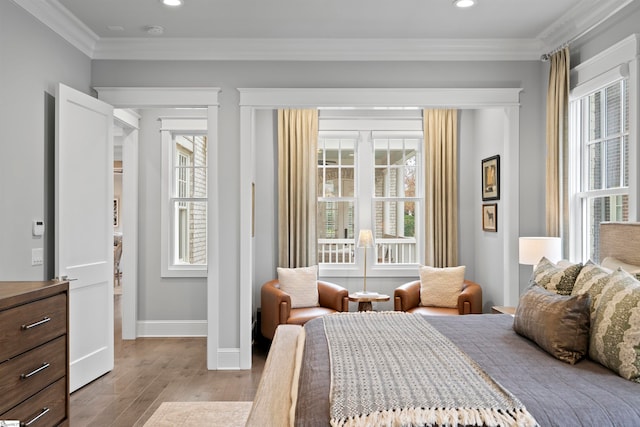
x,y
34,355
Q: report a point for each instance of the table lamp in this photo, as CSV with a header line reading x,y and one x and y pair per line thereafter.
x,y
365,240
532,249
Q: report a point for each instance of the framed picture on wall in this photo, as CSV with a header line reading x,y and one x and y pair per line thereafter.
x,y
490,217
116,212
491,178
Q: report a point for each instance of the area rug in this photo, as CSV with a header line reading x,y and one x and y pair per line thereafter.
x,y
227,414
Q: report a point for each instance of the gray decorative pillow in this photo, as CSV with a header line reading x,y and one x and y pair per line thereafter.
x,y
592,280
559,324
615,332
555,278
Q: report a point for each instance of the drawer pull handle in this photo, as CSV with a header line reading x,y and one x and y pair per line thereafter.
x,y
35,371
33,325
36,418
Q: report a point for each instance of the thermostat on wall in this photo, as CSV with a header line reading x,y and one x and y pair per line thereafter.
x,y
38,227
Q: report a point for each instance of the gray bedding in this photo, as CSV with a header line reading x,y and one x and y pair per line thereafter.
x,y
554,392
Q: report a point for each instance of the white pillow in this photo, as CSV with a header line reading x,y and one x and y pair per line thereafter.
x,y
301,284
440,287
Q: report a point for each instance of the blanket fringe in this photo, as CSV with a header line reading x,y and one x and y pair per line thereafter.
x,y
451,417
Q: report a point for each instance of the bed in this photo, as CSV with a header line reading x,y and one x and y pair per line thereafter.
x,y
299,380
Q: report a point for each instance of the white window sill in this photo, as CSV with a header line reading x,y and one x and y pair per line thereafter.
x,y
351,270
185,271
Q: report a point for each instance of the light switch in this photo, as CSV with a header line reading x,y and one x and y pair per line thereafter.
x,y
37,256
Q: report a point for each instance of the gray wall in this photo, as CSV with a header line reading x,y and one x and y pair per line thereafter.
x,y
620,26
266,220
33,60
488,245
160,298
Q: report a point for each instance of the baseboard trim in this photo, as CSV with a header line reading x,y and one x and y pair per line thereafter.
x,y
228,359
171,328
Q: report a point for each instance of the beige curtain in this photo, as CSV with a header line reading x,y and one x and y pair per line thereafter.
x,y
557,212
297,144
441,187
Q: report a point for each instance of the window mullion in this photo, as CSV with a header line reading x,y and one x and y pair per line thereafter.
x,y
604,138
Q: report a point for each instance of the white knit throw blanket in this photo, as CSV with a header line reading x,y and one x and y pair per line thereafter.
x,y
395,369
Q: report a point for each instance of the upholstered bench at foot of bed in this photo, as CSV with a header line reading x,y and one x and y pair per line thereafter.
x,y
274,399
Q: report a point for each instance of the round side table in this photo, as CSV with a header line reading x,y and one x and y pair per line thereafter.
x,y
365,300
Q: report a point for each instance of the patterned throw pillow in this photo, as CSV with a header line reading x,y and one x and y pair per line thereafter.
x,y
559,324
301,284
440,287
555,278
592,280
615,337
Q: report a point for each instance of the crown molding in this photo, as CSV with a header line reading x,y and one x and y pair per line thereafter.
x,y
578,21
318,49
379,97
57,17
575,23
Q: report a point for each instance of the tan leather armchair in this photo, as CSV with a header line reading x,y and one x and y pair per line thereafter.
x,y
407,298
276,306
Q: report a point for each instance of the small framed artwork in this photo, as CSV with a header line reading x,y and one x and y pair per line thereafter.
x,y
116,212
491,178
490,217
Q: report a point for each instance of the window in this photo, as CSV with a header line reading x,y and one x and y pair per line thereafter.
x,y
184,220
395,201
602,140
369,178
336,200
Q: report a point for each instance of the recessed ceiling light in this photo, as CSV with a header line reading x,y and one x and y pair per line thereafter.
x,y
464,3
172,2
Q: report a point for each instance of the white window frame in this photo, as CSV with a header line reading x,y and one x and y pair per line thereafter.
x,y
170,127
355,136
405,125
418,199
614,64
182,246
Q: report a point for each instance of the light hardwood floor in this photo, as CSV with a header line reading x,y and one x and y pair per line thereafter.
x,y
149,371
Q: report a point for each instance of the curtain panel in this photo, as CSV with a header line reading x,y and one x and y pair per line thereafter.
x,y
297,164
557,207
441,187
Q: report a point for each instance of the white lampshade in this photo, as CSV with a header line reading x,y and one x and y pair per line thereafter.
x,y
532,249
365,239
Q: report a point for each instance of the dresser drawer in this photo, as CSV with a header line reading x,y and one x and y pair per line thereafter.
x,y
49,407
30,325
27,374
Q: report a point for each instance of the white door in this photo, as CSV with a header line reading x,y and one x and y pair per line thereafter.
x,y
84,229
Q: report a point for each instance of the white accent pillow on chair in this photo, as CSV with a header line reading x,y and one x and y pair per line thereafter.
x,y
440,287
301,284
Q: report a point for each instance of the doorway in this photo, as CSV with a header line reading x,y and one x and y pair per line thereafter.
x,y
202,97
117,229
252,100
125,216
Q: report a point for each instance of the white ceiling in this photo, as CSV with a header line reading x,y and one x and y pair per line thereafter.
x,y
321,29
